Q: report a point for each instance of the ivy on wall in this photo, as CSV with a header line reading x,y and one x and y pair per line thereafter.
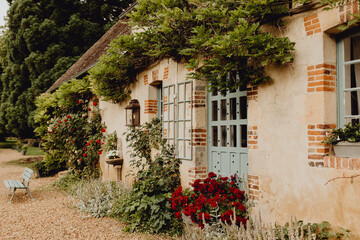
x,y
212,37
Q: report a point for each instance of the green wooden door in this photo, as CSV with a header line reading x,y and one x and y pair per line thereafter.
x,y
227,133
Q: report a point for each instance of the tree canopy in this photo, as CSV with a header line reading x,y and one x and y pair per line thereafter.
x,y
43,38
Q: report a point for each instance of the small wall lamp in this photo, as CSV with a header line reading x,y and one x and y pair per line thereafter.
x,y
133,113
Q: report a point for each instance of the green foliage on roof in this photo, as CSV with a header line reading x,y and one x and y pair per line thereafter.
x,y
213,37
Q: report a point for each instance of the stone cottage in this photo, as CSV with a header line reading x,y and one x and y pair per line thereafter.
x,y
272,133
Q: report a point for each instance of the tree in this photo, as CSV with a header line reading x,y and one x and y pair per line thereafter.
x,y
43,39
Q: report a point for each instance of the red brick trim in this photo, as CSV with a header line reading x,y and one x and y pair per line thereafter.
x,y
316,149
166,73
321,78
312,24
342,163
346,12
146,80
155,75
150,106
252,137
197,173
199,97
254,187
252,92
199,137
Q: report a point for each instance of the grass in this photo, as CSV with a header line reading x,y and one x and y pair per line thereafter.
x,y
18,162
8,144
34,151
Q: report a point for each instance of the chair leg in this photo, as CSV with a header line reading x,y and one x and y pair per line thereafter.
x,y
9,192
12,196
28,191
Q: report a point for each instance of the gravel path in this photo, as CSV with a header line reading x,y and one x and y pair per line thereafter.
x,y
51,215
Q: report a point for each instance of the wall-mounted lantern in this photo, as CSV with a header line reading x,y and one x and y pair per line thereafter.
x,y
133,113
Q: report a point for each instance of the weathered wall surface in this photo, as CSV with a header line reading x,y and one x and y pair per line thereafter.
x,y
293,113
113,115
288,117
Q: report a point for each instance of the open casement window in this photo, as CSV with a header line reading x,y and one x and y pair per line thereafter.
x,y
348,72
177,117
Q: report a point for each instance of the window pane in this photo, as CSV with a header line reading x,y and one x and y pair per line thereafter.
x,y
223,136
232,82
233,136
214,110
223,109
352,76
215,136
181,115
214,93
243,107
232,108
352,103
243,135
352,48
181,92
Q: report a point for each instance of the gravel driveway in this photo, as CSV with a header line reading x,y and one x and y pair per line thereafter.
x,y
50,216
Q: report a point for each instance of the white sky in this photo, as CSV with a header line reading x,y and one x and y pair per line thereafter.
x,y
4,6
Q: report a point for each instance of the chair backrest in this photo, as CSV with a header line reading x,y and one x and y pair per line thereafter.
x,y
26,176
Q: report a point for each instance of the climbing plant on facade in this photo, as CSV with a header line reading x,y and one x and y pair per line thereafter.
x,y
213,37
71,130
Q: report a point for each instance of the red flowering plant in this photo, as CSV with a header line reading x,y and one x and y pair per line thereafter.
x,y
213,198
73,141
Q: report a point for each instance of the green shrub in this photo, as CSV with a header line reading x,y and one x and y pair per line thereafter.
x,y
69,182
97,197
51,166
295,230
147,207
350,133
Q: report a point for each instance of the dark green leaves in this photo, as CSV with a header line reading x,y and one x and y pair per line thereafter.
x,y
213,37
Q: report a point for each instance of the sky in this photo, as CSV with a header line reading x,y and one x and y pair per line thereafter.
x,y
3,8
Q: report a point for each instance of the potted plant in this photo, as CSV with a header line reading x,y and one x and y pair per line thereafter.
x,y
113,157
346,140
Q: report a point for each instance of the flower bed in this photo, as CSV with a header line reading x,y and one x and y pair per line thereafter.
x,y
216,197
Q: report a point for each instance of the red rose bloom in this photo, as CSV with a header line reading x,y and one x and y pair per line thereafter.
x,y
65,120
79,101
60,122
178,215
95,104
103,130
84,154
100,152
89,109
212,175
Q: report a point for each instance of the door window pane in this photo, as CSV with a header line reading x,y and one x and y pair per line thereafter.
x,y
233,136
215,136
243,135
214,110
223,136
233,109
243,107
223,109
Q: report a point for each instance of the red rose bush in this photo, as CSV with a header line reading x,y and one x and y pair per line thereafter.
x,y
213,198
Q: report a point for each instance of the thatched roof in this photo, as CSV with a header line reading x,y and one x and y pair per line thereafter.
x,y
91,56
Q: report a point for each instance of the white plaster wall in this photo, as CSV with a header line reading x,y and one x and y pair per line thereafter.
x,y
113,115
288,185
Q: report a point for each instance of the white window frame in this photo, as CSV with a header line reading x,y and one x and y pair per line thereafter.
x,y
172,118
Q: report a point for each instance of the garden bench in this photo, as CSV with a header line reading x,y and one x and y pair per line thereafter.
x,y
17,184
